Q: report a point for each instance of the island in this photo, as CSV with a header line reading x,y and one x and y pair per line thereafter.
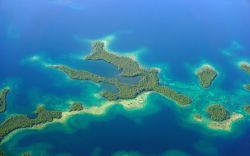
x,y
131,96
76,107
245,66
225,125
247,87
23,121
198,117
218,112
218,118
221,118
128,67
206,75
3,95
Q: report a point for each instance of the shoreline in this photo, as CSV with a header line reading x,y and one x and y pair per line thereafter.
x,y
204,66
226,125
129,105
240,63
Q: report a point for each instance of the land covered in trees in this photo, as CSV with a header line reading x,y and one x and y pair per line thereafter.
x,y
3,102
245,67
128,67
76,107
218,112
206,75
23,121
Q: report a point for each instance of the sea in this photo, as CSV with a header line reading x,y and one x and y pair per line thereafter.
x,y
175,36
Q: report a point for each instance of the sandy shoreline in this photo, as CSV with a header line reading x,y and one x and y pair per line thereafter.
x,y
223,126
205,66
130,104
227,124
243,63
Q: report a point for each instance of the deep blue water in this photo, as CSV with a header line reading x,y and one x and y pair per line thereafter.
x,y
178,35
120,134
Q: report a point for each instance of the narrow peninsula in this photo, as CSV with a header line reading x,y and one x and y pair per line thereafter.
x,y
128,67
23,121
3,102
206,75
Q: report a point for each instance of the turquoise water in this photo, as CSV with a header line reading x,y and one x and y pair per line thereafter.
x,y
176,36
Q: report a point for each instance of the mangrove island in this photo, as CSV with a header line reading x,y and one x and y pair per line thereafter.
x,y
128,67
23,121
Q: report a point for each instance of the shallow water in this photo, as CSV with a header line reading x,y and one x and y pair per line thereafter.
x,y
175,35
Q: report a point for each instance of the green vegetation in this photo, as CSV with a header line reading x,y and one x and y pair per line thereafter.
x,y
76,107
126,65
206,76
26,154
245,67
218,112
247,109
149,80
23,121
3,95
